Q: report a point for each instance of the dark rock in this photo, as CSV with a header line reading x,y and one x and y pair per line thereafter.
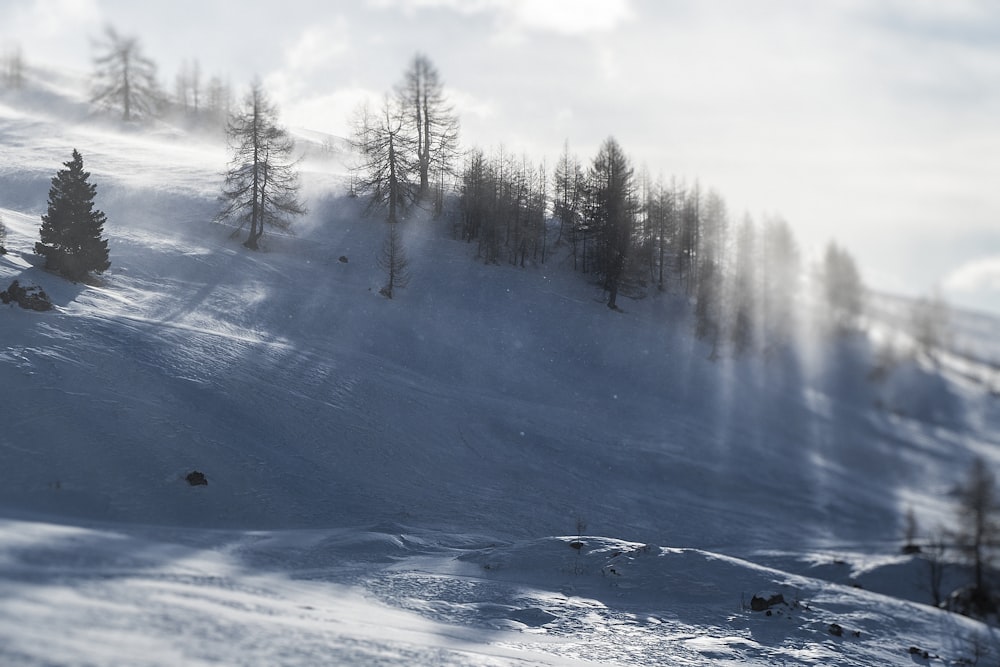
x,y
343,259
765,602
836,630
533,617
576,544
911,549
919,653
30,298
196,478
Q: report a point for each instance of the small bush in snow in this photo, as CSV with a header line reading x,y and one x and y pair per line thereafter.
x,y
30,298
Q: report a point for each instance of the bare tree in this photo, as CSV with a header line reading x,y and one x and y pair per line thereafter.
x,y
219,98
567,201
188,87
779,280
843,290
929,320
262,184
431,120
124,78
12,69
743,291
611,208
934,556
394,262
388,158
978,530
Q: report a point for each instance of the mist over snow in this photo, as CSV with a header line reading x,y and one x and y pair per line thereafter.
x,y
492,468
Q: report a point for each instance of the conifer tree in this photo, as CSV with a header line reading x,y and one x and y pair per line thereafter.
x,y
388,156
611,207
978,529
262,184
71,228
842,288
393,261
124,78
431,120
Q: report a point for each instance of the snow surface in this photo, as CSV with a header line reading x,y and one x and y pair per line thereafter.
x,y
394,481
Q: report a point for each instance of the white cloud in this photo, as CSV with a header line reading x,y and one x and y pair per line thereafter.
x,y
982,275
319,46
331,113
570,16
560,16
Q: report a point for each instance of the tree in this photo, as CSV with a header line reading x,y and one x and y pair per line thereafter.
x,y
934,553
71,228
393,261
388,158
661,206
611,208
743,293
710,256
568,199
929,322
843,290
262,184
977,530
188,87
124,78
780,280
430,120
218,98
12,69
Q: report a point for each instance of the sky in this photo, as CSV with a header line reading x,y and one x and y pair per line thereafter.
x,y
874,123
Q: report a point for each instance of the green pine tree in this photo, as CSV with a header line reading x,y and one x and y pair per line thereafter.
x,y
71,229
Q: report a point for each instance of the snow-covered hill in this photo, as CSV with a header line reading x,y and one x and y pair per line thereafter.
x,y
388,481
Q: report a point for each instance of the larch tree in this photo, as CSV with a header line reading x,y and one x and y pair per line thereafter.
x,y
431,121
742,291
262,183
710,255
978,530
567,200
611,207
780,268
71,231
394,262
218,98
843,290
387,158
929,324
124,78
12,69
188,87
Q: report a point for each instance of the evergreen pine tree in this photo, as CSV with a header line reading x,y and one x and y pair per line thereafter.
x,y
71,228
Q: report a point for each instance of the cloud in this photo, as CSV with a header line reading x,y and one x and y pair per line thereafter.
x,y
56,28
331,113
981,275
319,46
559,16
570,16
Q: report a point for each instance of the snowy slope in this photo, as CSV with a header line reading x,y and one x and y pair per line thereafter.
x,y
405,464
